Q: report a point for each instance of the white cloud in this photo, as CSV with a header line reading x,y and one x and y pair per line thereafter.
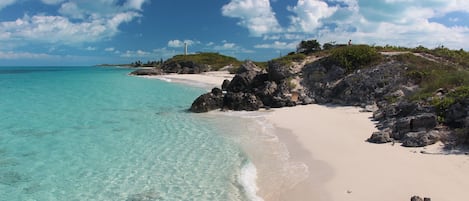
x,y
24,55
230,48
92,21
89,48
5,3
52,2
135,4
58,29
256,15
278,45
109,49
308,15
154,54
136,54
179,43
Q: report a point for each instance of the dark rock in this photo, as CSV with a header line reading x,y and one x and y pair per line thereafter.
x,y
217,92
152,71
267,92
380,137
184,67
207,102
242,82
427,199
330,83
248,66
241,101
416,198
278,71
420,139
457,113
225,85
421,122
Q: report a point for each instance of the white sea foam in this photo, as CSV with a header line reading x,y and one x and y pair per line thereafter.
x,y
269,155
248,179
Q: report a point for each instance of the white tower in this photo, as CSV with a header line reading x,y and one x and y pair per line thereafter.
x,y
185,48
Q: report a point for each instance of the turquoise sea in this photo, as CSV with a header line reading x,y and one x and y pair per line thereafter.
x,y
89,133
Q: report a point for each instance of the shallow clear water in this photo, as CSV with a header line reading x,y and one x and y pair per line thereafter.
x,y
97,134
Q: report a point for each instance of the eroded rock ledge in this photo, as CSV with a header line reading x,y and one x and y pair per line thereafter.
x,y
382,88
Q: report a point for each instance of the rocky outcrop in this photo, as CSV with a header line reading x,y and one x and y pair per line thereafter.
x,y
380,137
386,86
172,66
418,198
151,71
184,67
420,139
207,102
408,122
330,83
253,88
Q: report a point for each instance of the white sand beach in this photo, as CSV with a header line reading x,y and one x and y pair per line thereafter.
x,y
348,168
206,80
344,167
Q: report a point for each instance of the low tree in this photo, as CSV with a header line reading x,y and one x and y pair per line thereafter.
x,y
309,46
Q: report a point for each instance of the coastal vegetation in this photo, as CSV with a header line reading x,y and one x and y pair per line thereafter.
x,y
415,91
216,61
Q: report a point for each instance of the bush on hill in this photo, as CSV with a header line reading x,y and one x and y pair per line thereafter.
x,y
354,57
214,60
290,58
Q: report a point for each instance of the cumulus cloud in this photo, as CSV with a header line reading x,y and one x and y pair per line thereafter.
x,y
308,15
135,4
256,15
59,29
25,55
5,3
79,22
52,2
180,43
396,22
278,45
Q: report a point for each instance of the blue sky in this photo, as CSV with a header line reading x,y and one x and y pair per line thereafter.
x,y
88,32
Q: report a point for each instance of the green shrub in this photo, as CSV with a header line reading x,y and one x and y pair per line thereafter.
x,y
214,60
457,95
290,58
354,57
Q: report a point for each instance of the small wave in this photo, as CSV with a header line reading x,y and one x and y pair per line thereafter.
x,y
165,79
247,179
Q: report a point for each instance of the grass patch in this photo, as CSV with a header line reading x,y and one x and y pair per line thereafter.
x,y
289,59
431,75
354,57
457,95
214,60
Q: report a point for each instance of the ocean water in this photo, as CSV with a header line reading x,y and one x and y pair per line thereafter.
x,y
88,133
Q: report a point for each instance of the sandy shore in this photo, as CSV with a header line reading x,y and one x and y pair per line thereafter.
x,y
343,167
348,168
205,80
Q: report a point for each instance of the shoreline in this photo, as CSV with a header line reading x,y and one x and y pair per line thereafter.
x,y
360,170
206,80
331,141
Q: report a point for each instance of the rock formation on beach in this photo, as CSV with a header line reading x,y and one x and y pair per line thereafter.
x,y
415,98
253,88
